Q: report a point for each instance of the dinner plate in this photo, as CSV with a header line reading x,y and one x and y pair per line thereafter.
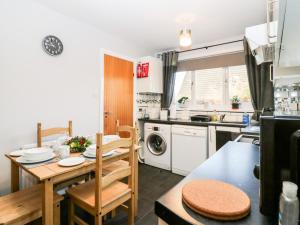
x,y
87,154
17,153
22,160
72,161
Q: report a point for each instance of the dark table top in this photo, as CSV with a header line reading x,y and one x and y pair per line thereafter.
x,y
233,164
193,123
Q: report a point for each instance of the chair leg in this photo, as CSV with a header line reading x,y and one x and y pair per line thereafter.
x,y
113,213
71,212
56,211
98,220
131,211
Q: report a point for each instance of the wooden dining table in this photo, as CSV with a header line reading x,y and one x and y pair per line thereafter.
x,y
50,174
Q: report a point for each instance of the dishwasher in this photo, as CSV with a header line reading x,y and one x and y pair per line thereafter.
x,y
189,148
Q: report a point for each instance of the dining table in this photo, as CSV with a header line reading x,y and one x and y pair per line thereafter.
x,y
50,174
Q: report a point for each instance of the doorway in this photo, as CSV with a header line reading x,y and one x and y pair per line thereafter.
x,y
118,93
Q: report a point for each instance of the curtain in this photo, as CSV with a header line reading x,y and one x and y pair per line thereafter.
x,y
261,88
170,60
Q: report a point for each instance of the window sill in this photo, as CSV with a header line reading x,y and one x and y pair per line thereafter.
x,y
241,110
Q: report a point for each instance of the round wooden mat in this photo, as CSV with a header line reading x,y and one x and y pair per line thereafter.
x,y
215,199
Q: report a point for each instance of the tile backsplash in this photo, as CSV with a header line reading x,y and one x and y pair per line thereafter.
x,y
148,104
287,98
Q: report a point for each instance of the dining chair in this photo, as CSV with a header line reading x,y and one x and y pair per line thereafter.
x,y
52,131
103,194
130,132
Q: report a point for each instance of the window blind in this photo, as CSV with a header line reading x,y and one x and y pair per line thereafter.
x,y
232,59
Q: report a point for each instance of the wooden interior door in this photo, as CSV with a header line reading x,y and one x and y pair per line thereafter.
x,y
118,93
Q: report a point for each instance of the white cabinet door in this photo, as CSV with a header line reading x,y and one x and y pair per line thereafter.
x,y
289,33
211,140
153,83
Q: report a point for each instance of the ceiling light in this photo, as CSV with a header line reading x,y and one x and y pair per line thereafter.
x,y
185,38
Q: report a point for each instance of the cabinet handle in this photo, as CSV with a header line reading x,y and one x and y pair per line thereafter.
x,y
271,75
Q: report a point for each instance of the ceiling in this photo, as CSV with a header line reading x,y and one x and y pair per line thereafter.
x,y
155,24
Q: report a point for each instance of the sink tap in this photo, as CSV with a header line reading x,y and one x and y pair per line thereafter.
x,y
222,117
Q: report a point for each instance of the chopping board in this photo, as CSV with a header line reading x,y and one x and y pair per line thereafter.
x,y
215,199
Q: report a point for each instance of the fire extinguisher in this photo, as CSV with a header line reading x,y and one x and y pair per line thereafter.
x,y
139,71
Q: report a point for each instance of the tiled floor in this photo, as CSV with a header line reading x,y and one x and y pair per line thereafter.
x,y
153,182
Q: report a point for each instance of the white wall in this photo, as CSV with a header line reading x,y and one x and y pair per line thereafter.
x,y
37,87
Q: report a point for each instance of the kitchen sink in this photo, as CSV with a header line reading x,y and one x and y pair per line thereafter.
x,y
247,138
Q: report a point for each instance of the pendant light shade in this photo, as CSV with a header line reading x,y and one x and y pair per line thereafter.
x,y
185,38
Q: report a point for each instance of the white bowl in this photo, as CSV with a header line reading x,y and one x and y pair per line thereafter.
x,y
91,150
36,154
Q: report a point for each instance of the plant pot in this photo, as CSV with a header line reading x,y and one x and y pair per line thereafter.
x,y
235,105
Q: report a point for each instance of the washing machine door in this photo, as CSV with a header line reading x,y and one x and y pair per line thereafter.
x,y
156,144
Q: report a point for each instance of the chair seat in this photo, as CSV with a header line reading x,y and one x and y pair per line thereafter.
x,y
85,193
114,166
23,206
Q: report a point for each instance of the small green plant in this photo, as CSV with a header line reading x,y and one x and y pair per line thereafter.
x,y
235,99
182,100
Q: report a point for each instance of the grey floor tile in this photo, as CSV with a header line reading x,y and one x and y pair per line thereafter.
x,y
153,183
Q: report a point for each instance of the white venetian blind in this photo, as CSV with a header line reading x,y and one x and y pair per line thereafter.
x,y
209,86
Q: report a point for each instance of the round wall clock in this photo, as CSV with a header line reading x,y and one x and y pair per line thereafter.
x,y
52,45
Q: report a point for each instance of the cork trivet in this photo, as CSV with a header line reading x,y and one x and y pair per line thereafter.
x,y
215,199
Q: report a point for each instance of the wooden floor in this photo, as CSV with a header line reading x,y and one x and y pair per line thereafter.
x,y
153,182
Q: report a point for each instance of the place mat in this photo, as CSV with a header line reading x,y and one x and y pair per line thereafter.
x,y
33,165
216,200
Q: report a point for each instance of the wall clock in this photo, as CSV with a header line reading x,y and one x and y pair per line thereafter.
x,y
52,45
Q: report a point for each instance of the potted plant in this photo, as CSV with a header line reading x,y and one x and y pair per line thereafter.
x,y
78,144
235,102
183,101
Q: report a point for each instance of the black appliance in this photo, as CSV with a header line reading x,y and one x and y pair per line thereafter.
x,y
279,159
201,118
225,134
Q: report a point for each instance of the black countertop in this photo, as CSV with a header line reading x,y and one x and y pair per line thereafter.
x,y
193,123
233,164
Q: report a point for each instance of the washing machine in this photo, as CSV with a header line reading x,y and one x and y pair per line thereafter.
x,y
157,145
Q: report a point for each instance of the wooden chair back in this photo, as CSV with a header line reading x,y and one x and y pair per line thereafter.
x,y
125,131
52,131
116,175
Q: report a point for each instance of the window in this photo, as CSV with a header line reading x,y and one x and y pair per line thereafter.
x,y
183,85
238,83
209,86
214,88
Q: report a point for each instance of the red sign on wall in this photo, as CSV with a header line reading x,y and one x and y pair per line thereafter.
x,y
142,70
145,69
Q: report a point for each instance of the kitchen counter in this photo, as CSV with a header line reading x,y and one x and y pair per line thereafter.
x,y
252,130
233,164
193,123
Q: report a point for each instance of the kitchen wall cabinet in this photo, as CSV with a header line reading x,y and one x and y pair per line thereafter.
x,y
154,82
287,49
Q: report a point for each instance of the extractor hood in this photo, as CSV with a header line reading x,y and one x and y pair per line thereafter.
x,y
262,39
